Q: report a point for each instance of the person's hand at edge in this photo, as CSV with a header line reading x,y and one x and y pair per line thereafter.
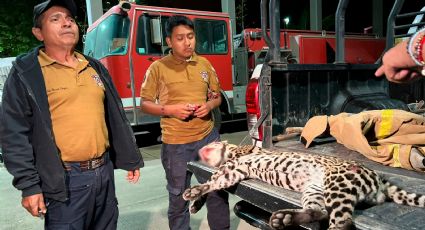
x,y
34,204
396,64
133,176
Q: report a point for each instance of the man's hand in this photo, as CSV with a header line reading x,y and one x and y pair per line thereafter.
x,y
203,110
34,204
181,111
397,65
133,176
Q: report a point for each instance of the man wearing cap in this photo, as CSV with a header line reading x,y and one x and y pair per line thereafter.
x,y
63,128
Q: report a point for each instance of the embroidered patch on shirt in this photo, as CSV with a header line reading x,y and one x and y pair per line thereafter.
x,y
50,90
204,75
98,81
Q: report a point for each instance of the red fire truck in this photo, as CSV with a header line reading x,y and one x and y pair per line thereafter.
x,y
129,37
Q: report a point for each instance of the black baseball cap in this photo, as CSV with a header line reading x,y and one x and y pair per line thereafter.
x,y
44,6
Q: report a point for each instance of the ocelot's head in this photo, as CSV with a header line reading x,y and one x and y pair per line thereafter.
x,y
215,153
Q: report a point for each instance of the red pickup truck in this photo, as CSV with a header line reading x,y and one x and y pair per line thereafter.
x,y
288,94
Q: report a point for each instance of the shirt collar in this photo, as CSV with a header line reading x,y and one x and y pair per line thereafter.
x,y
81,58
45,60
176,61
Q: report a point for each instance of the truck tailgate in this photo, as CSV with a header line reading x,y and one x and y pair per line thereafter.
x,y
388,216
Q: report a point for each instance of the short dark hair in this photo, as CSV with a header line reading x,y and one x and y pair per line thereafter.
x,y
37,22
177,20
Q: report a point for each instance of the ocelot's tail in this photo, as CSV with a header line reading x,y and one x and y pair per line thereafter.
x,y
401,196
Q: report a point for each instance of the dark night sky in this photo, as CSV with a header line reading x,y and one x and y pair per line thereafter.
x,y
358,16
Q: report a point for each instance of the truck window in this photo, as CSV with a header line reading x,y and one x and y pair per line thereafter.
x,y
211,36
111,37
151,35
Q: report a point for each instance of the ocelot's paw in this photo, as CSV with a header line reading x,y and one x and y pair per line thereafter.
x,y
281,218
346,224
285,217
193,208
196,205
195,192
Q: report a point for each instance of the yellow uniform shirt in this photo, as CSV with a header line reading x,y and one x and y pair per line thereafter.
x,y
170,81
75,97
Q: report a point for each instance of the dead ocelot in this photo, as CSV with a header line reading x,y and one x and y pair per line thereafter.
x,y
330,187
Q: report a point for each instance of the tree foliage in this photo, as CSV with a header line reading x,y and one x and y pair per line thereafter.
x,y
241,14
16,22
15,27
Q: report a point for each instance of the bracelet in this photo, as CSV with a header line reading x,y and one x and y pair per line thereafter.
x,y
414,47
419,54
420,49
417,49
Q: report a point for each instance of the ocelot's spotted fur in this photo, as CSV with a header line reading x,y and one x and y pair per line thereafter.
x,y
330,187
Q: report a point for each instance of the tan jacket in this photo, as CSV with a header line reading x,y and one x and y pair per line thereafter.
x,y
385,136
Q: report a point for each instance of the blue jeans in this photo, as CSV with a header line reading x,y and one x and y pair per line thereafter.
x,y
174,160
92,203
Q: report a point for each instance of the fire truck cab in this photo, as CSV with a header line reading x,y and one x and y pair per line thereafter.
x,y
129,37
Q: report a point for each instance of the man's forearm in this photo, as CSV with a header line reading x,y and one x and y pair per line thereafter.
x,y
153,108
214,103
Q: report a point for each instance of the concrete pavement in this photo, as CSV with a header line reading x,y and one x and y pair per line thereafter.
x,y
142,205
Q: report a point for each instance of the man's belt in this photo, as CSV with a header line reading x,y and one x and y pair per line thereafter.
x,y
86,165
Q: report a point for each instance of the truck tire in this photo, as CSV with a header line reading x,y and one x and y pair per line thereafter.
x,y
216,116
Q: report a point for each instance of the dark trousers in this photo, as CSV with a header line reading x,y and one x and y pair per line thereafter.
x,y
92,203
174,160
